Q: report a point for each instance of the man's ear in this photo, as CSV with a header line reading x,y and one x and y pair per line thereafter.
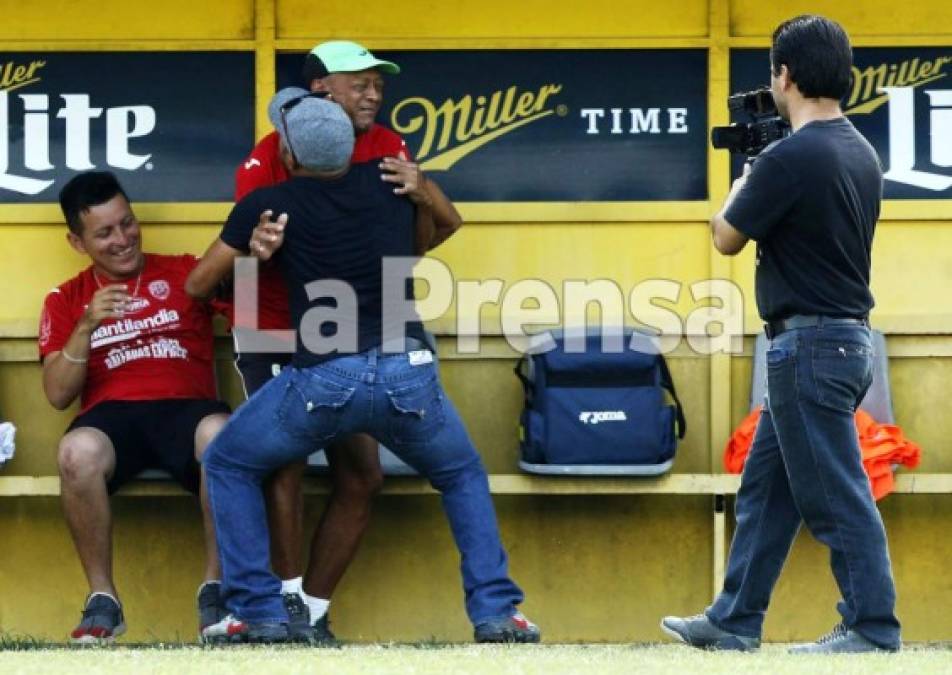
x,y
287,158
76,242
319,84
784,77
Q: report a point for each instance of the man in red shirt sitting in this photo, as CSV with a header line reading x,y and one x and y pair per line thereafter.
x,y
353,77
123,336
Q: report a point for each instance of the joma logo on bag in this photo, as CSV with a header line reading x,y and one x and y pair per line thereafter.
x,y
602,416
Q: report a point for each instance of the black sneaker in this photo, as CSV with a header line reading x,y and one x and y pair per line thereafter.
x,y
841,640
321,630
299,618
231,630
698,631
102,621
211,609
515,628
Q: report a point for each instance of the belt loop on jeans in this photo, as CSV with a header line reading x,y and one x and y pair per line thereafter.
x,y
774,328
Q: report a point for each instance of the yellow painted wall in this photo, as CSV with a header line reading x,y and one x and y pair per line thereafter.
x,y
595,568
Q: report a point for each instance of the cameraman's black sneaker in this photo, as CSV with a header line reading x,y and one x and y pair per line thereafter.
x,y
231,630
840,640
321,629
515,628
698,631
299,618
211,609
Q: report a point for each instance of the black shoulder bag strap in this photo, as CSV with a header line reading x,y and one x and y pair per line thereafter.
x,y
668,384
527,388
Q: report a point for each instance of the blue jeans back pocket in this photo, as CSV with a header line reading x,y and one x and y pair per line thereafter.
x,y
312,406
842,372
416,411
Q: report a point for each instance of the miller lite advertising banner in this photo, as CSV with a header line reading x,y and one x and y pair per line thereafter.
x,y
550,125
172,126
900,99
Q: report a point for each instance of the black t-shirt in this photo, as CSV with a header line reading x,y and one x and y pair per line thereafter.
x,y
811,203
341,230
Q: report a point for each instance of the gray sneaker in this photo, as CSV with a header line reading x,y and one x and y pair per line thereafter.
x,y
840,640
698,631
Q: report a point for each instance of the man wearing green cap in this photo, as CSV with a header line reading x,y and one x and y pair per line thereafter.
x,y
353,77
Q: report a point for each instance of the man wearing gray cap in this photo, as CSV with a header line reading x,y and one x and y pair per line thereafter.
x,y
340,223
352,76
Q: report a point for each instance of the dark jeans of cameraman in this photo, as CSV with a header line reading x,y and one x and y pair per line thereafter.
x,y
805,466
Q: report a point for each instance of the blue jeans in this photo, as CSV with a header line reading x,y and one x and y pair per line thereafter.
x,y
805,466
400,404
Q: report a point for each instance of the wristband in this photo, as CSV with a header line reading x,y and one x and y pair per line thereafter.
x,y
72,359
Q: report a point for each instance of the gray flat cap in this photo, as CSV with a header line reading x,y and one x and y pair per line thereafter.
x,y
317,131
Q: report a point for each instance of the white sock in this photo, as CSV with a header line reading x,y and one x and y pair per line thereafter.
x,y
294,585
316,606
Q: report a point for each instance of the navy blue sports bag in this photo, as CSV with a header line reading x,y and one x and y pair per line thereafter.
x,y
597,407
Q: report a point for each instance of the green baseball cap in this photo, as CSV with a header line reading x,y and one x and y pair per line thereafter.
x,y
343,56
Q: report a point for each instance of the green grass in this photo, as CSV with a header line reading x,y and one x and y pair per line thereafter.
x,y
32,657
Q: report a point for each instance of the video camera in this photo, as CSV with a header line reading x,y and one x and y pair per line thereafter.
x,y
760,125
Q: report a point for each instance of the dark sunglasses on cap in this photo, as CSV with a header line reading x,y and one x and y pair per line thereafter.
x,y
289,105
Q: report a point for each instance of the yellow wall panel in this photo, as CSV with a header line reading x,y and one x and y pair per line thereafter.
x,y
404,584
921,390
867,17
494,19
36,258
803,605
911,278
554,253
112,20
485,392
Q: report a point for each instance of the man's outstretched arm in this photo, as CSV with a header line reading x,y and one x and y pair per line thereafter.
x,y
410,181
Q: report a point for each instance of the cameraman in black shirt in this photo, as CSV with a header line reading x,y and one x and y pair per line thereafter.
x,y
811,202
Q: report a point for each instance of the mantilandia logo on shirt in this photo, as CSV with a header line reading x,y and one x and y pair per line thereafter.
x,y
602,416
130,328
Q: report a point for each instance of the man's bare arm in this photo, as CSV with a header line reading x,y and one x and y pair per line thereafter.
x,y
728,240
64,371
218,261
446,219
215,265
422,191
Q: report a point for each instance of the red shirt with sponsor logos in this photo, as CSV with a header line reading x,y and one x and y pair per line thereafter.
x,y
264,168
161,348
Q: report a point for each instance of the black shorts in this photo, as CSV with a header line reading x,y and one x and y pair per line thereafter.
x,y
257,369
157,434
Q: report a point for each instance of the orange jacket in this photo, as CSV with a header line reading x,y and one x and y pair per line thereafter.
x,y
883,446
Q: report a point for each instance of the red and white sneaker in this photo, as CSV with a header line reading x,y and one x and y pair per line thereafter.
x,y
211,609
515,628
228,629
233,630
102,621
